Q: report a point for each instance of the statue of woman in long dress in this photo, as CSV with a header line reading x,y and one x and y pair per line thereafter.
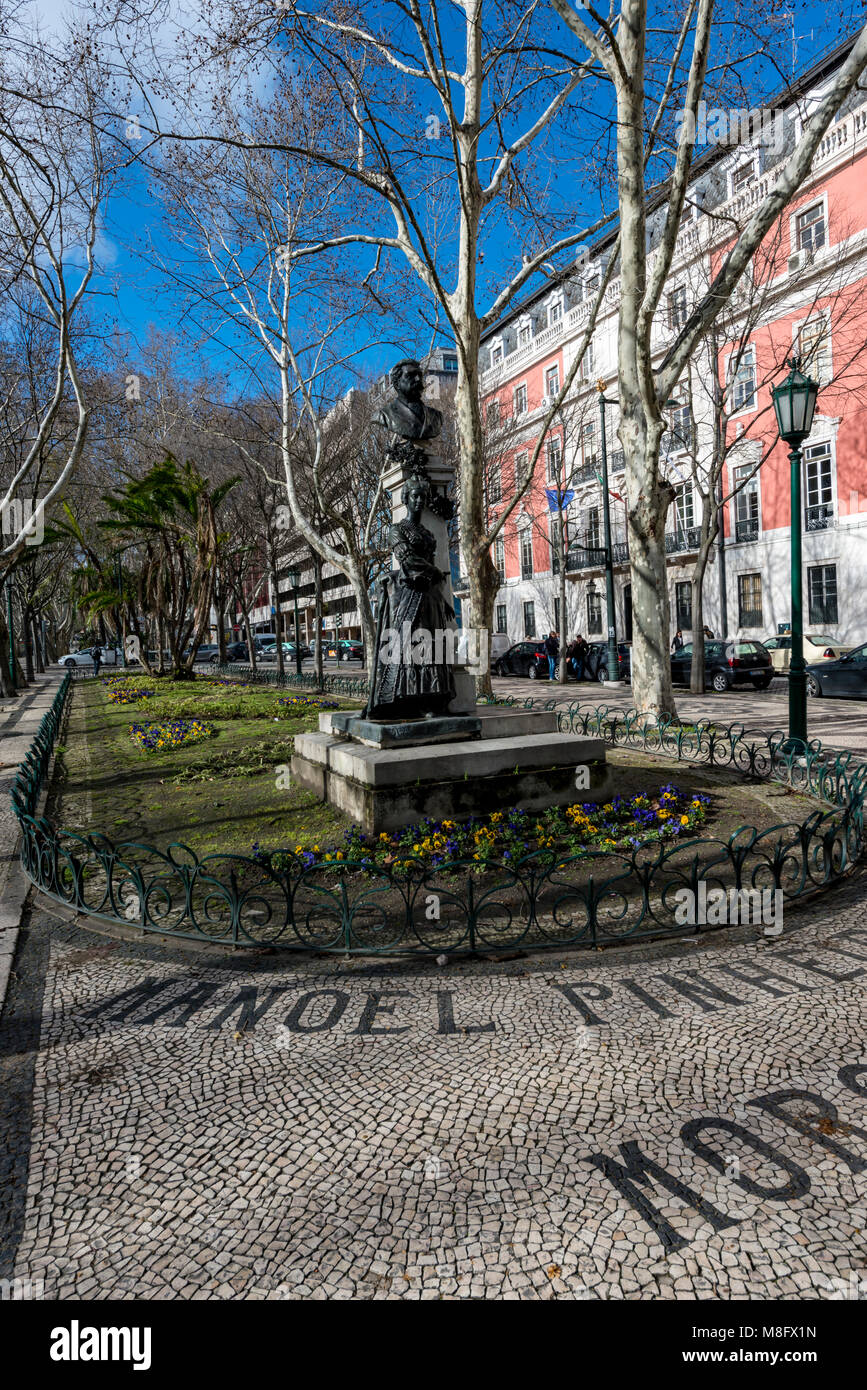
x,y
408,682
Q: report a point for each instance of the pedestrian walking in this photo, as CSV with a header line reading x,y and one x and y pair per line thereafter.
x,y
96,657
677,642
552,651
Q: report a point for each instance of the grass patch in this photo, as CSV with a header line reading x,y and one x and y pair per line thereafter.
x,y
228,794
218,796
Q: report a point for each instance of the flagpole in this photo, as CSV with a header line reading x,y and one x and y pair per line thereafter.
x,y
613,663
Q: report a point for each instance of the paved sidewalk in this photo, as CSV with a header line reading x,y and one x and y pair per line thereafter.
x,y
838,723
20,718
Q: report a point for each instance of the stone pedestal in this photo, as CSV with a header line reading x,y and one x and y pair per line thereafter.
x,y
515,758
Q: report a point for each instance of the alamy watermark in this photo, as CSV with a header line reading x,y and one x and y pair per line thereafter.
x,y
733,126
716,907
25,514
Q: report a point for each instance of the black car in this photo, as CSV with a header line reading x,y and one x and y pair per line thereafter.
x,y
350,649
237,651
727,663
844,676
523,659
596,664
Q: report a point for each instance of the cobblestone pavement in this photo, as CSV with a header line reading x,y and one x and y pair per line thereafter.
x,y
659,1123
838,723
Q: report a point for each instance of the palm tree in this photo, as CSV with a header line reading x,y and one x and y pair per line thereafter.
x,y
170,517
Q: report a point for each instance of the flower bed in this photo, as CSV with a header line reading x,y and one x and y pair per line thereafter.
x,y
121,694
174,733
504,838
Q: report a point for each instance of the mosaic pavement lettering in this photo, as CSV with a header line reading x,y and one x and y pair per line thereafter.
x,y
685,1122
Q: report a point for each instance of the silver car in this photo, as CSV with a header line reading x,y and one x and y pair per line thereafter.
x,y
111,656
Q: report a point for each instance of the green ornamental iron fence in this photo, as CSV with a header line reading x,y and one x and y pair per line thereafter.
x,y
545,899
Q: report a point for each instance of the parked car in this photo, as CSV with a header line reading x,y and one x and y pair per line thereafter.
x,y
844,676
111,656
596,666
237,651
349,649
815,649
728,662
523,659
208,651
269,652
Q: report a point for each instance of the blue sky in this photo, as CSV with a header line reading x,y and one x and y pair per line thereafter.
x,y
134,294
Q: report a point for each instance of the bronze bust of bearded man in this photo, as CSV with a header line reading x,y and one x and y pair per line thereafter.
x,y
406,415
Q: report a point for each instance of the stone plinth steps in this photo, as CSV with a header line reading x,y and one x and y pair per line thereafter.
x,y
385,776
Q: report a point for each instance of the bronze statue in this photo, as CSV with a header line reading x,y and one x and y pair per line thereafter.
x,y
406,415
412,676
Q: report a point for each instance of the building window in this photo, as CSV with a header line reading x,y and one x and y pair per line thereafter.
x,y
555,545
492,415
555,310
679,433
743,176
587,363
746,502
524,333
496,354
750,600
588,444
683,604
810,228
520,400
555,453
593,531
552,381
500,560
819,487
744,381
822,593
450,363
495,485
529,619
526,554
813,342
594,612
501,618
522,467
677,307
684,502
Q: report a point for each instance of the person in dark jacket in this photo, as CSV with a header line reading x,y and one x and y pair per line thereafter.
x,y
677,642
576,656
96,656
552,651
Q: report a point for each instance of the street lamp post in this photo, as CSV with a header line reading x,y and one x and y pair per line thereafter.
x,y
10,625
294,579
120,605
613,664
794,405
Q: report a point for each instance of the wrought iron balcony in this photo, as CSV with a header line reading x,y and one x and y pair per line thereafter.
x,y
589,554
819,517
585,474
747,530
686,539
462,584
